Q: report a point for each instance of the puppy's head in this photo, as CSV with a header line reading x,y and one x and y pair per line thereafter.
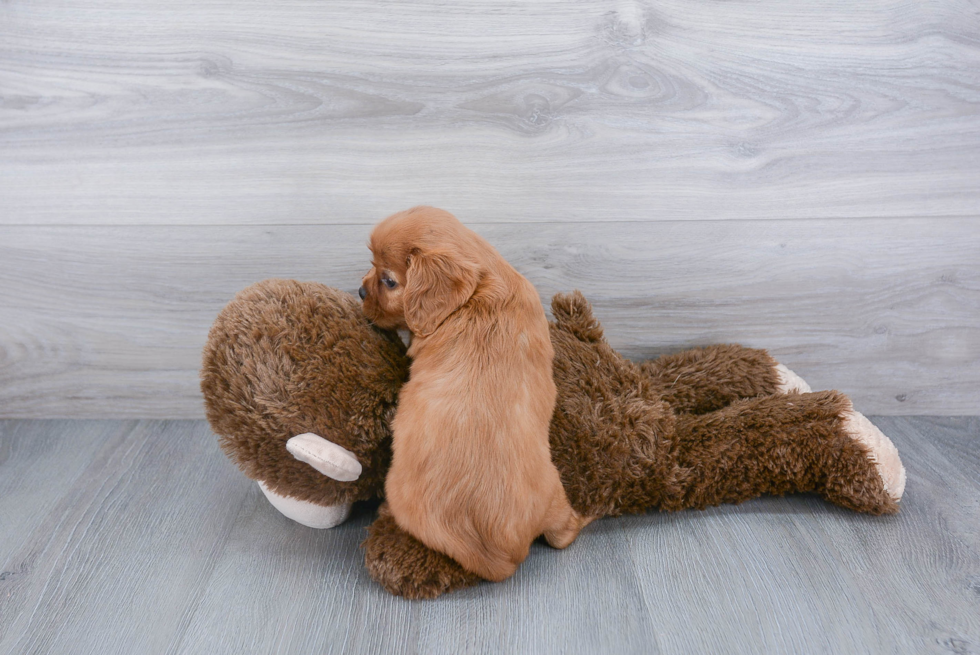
x,y
425,267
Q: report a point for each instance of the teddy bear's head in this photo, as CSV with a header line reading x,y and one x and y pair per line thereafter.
x,y
286,358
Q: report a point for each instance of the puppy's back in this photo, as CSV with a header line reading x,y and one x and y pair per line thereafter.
x,y
472,474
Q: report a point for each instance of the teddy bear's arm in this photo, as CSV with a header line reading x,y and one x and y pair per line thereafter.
x,y
787,443
405,566
707,379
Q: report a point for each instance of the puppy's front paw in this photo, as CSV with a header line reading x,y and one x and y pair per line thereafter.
x,y
882,452
790,382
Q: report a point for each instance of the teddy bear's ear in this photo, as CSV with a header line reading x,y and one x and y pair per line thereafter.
x,y
573,312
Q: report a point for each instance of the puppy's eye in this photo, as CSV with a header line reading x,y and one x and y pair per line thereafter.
x,y
388,282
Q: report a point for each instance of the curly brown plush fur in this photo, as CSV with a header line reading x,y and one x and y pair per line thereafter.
x,y
611,433
776,445
620,448
702,380
623,448
408,567
284,358
691,430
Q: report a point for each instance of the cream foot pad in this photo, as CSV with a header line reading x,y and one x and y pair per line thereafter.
x,y
884,454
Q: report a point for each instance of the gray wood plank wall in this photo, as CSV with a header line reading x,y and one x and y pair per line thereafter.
x,y
797,176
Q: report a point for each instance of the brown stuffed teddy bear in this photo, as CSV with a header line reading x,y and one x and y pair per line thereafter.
x,y
301,389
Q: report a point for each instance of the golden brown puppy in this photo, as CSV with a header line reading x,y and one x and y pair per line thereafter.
x,y
471,474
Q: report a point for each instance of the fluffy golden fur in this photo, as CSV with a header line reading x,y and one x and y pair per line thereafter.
x,y
471,473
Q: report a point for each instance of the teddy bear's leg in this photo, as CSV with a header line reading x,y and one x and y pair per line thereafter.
x,y
790,382
706,379
405,566
787,443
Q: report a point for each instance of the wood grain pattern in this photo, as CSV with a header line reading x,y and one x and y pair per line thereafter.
x,y
123,554
37,468
157,544
605,124
807,586
110,321
340,112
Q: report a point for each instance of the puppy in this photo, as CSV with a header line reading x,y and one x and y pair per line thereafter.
x,y
471,474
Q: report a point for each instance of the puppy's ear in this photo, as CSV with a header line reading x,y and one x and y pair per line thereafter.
x,y
437,284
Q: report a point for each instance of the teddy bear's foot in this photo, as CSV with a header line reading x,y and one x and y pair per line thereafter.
x,y
881,451
790,382
306,513
405,566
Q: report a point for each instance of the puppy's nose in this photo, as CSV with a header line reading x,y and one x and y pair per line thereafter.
x,y
362,292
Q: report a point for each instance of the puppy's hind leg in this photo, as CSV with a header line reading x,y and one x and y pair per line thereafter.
x,y
564,522
494,566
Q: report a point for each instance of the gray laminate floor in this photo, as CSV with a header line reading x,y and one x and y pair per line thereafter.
x,y
139,537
